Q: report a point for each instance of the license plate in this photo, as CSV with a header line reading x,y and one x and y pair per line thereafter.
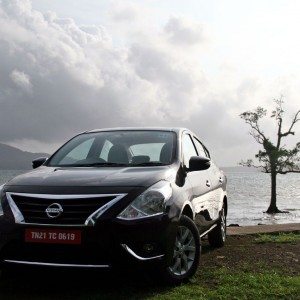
x,y
53,236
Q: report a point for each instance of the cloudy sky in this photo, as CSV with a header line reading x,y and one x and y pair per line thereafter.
x,y
73,65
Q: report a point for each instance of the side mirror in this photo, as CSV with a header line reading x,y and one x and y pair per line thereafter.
x,y
38,162
198,163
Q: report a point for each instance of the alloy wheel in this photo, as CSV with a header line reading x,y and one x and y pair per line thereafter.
x,y
223,224
184,251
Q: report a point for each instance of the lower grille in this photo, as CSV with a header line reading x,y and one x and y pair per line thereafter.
x,y
71,209
56,254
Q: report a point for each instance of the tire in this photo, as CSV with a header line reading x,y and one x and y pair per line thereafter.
x,y
217,236
186,253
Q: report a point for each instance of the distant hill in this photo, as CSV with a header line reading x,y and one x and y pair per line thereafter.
x,y
12,158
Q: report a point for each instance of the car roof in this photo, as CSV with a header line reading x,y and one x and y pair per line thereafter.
x,y
172,129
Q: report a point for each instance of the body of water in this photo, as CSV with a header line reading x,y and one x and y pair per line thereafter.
x,y
248,197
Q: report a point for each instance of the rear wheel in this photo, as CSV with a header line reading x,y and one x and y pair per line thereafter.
x,y
186,253
217,236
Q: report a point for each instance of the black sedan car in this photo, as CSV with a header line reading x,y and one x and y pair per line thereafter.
x,y
114,196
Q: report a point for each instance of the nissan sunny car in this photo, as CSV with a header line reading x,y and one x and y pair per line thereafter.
x,y
114,196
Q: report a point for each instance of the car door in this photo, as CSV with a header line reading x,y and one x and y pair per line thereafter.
x,y
217,190
200,182
214,178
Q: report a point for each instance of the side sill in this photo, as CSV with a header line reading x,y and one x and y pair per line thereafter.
x,y
207,231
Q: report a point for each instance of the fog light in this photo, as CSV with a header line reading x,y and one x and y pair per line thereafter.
x,y
148,247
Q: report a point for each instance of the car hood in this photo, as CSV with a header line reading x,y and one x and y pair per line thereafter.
x,y
93,177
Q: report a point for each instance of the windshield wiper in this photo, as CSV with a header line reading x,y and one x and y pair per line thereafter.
x,y
150,163
109,164
112,164
102,164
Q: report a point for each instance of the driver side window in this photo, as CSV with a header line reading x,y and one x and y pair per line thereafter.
x,y
188,149
201,151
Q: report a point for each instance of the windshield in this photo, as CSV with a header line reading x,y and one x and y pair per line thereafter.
x,y
117,148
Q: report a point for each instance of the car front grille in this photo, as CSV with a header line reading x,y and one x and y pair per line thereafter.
x,y
76,209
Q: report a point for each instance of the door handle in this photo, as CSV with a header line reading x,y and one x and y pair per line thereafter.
x,y
207,183
220,179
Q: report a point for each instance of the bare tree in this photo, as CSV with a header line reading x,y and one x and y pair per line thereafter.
x,y
275,158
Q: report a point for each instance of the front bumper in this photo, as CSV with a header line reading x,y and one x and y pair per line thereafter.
x,y
110,243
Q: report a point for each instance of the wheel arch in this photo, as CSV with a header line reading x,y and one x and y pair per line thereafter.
x,y
187,210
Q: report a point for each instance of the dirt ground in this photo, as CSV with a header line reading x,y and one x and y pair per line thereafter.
x,y
242,250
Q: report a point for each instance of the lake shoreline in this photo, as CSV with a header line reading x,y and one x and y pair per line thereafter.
x,y
257,229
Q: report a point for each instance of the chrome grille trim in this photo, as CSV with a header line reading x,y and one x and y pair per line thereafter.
x,y
131,252
90,221
62,196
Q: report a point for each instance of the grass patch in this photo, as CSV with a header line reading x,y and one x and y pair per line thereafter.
x,y
224,284
278,238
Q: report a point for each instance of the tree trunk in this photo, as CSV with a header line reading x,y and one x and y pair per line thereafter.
x,y
273,207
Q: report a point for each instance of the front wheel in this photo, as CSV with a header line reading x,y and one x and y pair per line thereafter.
x,y
186,253
217,236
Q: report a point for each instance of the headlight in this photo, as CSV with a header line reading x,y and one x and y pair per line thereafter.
x,y
1,209
151,202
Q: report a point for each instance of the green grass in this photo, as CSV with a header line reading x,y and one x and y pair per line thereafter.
x,y
218,284
278,238
237,285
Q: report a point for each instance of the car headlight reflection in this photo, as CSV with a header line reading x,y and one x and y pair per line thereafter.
x,y
151,202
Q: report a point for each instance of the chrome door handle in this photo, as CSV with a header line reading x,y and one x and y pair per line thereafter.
x,y
220,180
208,183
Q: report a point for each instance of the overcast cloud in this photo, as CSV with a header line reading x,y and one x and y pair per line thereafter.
x,y
58,78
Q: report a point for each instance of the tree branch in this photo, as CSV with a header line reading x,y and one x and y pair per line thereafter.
x,y
249,163
259,137
285,172
273,158
295,120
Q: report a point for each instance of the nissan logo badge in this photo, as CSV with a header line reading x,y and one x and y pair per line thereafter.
x,y
54,210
